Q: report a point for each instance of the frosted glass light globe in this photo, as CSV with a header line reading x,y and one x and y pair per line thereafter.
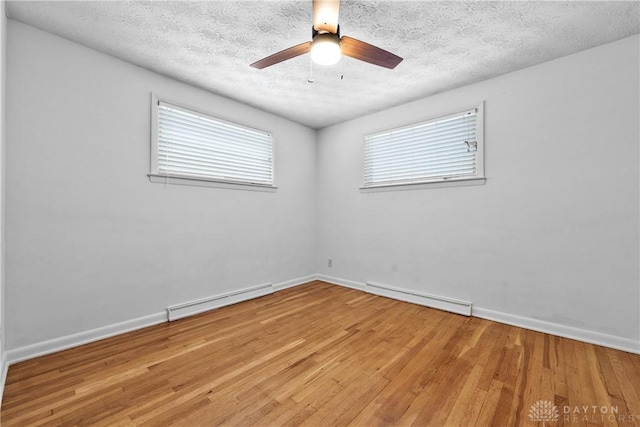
x,y
325,49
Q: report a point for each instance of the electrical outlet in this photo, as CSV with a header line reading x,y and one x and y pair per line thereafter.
x,y
330,263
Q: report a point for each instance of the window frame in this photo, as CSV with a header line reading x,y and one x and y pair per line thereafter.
x,y
472,180
156,177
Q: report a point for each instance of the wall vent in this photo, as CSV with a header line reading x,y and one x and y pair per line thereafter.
x,y
190,308
433,301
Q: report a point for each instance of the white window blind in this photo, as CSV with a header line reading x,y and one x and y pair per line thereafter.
x,y
195,145
437,150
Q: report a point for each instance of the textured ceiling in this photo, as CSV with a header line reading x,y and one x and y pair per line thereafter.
x,y
445,45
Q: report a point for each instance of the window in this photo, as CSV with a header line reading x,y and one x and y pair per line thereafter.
x,y
188,145
446,149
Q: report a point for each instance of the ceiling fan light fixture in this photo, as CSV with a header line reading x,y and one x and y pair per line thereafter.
x,y
327,46
325,49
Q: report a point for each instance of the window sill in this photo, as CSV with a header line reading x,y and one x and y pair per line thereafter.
x,y
453,182
203,182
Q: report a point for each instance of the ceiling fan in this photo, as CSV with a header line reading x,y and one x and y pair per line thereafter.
x,y
327,46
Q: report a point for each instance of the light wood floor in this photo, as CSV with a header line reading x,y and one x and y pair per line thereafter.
x,y
323,355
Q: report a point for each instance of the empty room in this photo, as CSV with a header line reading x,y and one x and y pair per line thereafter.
x,y
320,213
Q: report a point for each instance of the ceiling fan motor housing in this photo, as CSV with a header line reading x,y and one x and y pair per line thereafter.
x,y
315,32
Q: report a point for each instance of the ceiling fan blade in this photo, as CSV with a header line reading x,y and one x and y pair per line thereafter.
x,y
325,15
368,53
283,55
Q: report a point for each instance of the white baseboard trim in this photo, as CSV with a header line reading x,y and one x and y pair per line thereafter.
x,y
62,343
3,373
447,304
591,337
433,301
295,282
342,282
74,340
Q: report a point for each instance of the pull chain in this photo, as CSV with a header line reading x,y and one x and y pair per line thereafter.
x,y
310,79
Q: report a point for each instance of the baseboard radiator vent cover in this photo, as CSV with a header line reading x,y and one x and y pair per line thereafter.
x,y
191,308
433,301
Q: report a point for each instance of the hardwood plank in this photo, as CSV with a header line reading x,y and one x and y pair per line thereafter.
x,y
485,418
320,354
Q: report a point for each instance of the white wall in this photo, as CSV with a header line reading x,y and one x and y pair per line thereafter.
x,y
90,241
553,234
3,74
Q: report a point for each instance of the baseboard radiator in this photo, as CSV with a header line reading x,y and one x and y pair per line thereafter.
x,y
190,308
433,301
